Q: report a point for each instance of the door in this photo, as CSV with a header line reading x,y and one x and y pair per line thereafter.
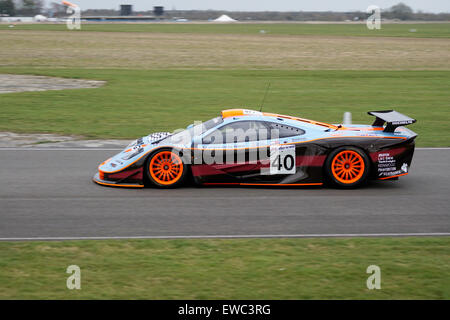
x,y
233,151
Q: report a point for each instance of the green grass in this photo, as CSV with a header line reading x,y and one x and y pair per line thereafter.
x,y
411,268
136,103
422,30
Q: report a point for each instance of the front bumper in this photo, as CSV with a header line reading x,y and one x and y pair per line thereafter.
x,y
97,180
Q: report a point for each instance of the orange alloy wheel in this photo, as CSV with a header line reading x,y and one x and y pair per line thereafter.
x,y
347,166
166,168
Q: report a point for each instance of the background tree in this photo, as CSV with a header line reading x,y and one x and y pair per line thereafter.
x,y
56,10
401,11
7,7
29,7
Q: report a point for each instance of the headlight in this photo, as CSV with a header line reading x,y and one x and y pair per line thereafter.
x,y
132,144
136,150
136,143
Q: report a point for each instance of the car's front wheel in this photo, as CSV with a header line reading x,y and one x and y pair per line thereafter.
x,y
347,167
166,169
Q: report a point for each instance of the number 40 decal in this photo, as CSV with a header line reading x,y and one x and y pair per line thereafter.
x,y
282,159
286,163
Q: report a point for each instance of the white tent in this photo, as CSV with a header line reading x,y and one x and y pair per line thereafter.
x,y
224,18
40,18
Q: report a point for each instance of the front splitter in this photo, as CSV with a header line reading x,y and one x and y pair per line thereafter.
x,y
107,183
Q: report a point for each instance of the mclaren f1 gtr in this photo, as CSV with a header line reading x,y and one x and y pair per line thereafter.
x,y
250,148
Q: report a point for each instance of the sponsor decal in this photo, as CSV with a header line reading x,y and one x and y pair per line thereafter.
x,y
251,112
387,165
368,134
298,139
282,160
405,167
402,122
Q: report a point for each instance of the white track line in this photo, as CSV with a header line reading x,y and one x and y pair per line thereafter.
x,y
331,235
432,148
118,149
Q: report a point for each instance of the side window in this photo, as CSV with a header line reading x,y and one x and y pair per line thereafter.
x,y
240,131
283,131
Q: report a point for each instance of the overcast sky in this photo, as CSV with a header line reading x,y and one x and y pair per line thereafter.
x,y
265,5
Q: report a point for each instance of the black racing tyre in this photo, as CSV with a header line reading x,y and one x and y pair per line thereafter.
x,y
347,167
166,169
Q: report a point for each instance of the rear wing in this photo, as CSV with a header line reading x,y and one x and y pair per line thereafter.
x,y
393,119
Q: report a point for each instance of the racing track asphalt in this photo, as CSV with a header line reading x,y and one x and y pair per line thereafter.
x,y
49,194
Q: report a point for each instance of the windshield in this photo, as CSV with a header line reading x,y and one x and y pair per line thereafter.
x,y
185,136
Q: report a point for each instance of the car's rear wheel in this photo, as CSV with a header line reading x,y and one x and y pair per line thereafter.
x,y
348,167
166,169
